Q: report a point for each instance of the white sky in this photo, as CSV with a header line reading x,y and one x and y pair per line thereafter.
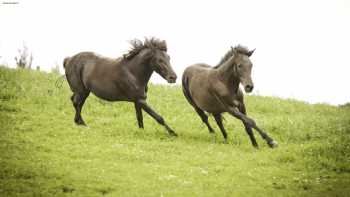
x,y
302,47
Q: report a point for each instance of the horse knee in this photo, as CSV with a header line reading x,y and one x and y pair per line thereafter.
x,y
250,122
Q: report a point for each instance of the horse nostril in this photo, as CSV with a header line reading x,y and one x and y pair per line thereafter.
x,y
172,78
249,88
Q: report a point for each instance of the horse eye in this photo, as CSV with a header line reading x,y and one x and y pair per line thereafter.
x,y
239,65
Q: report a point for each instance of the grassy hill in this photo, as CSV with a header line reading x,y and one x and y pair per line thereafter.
x,y
43,153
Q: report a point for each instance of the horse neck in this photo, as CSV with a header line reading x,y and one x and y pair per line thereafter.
x,y
227,74
140,69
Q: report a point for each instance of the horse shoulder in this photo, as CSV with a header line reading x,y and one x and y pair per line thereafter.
x,y
217,86
224,94
131,85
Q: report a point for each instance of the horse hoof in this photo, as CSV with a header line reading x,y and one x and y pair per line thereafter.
x,y
80,123
173,134
273,144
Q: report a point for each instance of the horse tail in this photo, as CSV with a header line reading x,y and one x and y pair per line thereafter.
x,y
185,89
65,62
184,84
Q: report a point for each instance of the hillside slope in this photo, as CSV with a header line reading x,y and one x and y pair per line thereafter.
x,y
42,152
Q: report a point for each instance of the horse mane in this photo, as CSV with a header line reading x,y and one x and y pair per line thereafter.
x,y
239,49
150,43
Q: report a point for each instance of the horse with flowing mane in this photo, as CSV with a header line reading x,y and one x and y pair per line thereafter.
x,y
121,79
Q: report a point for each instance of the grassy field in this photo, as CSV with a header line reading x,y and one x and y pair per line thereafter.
x,y
43,153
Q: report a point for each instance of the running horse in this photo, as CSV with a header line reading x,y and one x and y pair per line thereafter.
x,y
216,90
121,79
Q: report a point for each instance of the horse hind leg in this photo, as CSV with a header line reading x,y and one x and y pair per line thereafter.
x,y
204,118
80,92
218,119
78,100
200,112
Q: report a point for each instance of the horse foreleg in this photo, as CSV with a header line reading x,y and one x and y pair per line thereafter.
x,y
156,116
248,128
139,114
251,123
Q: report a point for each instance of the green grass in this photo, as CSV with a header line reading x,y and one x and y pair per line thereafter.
x,y
43,153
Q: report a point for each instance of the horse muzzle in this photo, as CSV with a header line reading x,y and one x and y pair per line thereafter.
x,y
171,78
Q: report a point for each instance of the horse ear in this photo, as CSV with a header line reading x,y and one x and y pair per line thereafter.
x,y
250,52
233,50
163,45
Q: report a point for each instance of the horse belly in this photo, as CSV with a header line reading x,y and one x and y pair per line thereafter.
x,y
207,102
108,91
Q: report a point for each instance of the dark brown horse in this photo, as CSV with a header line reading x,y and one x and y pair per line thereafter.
x,y
121,79
216,90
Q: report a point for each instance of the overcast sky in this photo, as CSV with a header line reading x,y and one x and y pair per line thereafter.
x,y
302,47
